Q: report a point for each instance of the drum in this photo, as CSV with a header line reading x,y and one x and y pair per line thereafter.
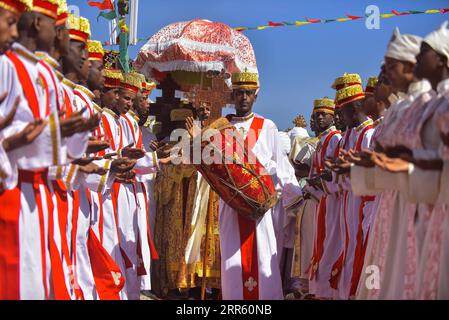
x,y
236,175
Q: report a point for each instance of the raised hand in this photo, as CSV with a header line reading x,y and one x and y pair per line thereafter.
x,y
6,121
192,128
96,145
25,137
132,153
363,159
122,165
126,177
92,168
71,125
86,161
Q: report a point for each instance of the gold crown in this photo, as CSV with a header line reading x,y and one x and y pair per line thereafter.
x,y
16,6
348,79
180,114
245,80
113,74
300,122
46,7
95,49
324,105
132,81
79,28
349,94
62,7
370,85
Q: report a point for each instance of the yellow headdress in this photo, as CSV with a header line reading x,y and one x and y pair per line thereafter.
x,y
95,49
349,94
47,7
16,6
325,105
79,28
63,12
371,85
348,79
132,81
245,80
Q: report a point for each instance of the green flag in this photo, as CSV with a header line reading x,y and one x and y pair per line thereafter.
x,y
111,15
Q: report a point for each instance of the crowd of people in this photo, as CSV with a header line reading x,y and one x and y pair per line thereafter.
x,y
93,205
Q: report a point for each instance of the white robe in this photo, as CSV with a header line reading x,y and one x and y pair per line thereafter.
x,y
268,282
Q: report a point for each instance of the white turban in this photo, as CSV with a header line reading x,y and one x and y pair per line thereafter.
x,y
403,47
439,40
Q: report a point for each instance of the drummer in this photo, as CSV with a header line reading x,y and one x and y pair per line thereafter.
x,y
249,257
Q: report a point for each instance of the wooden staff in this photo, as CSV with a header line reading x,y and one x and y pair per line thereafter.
x,y
206,248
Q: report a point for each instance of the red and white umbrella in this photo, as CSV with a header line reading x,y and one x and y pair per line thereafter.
x,y
191,48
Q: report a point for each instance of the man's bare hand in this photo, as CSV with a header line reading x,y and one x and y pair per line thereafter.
x,y
85,161
122,165
126,177
6,121
132,153
363,159
25,137
192,128
95,146
92,168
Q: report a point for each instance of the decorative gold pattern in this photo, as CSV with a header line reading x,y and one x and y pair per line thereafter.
x,y
347,78
95,46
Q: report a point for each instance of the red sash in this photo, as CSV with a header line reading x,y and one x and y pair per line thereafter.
x,y
321,222
248,236
27,84
110,136
10,244
359,254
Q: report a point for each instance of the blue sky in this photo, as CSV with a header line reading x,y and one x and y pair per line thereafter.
x,y
296,64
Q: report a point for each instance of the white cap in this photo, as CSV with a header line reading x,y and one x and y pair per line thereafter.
x,y
403,47
439,40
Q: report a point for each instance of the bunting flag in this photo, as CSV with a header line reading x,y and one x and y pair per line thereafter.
x,y
105,5
349,17
111,15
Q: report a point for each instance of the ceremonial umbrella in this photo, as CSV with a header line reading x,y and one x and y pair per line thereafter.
x,y
188,50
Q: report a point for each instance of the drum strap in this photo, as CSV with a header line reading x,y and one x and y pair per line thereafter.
x,y
248,235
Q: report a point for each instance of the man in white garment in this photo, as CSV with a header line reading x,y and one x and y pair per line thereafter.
x,y
254,274
387,242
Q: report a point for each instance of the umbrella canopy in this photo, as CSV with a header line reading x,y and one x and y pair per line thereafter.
x,y
187,50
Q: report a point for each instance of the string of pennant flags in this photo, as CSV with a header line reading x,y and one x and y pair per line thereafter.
x,y
394,13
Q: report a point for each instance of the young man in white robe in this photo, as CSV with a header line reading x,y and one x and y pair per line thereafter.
x,y
327,239
260,279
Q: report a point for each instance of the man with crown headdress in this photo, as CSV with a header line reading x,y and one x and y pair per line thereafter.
x,y
326,235
350,96
250,269
37,32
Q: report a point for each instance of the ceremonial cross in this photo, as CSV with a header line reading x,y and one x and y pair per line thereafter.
x,y
215,97
250,284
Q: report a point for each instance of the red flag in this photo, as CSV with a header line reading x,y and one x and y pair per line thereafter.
x,y
353,17
444,10
313,20
105,5
275,24
399,13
